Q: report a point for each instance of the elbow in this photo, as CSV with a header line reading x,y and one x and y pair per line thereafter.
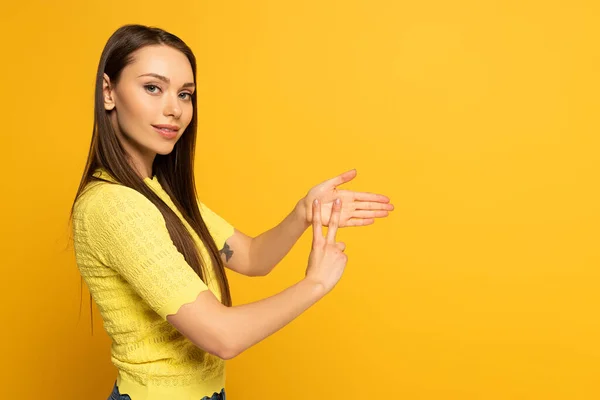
x,y
262,270
220,348
226,343
267,271
227,354
254,272
259,273
210,326
227,351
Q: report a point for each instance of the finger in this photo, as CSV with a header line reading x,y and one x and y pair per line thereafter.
x,y
341,246
334,220
366,196
316,221
371,205
342,178
370,214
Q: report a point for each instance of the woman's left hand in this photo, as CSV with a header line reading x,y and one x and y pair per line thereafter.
x,y
358,208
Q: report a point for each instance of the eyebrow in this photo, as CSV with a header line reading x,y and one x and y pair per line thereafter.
x,y
167,80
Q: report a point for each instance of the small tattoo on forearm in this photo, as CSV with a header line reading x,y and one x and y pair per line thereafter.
x,y
227,251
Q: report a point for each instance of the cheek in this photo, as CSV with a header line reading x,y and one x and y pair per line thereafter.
x,y
144,107
188,113
135,109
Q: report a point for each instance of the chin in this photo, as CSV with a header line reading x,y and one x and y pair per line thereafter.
x,y
166,149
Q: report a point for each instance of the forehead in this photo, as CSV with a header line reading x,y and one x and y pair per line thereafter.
x,y
162,60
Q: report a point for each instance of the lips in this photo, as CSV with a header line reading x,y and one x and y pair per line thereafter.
x,y
167,131
167,127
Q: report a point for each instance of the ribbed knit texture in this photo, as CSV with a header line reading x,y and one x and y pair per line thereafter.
x,y
137,277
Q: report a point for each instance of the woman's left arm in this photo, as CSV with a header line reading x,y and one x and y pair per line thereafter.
x,y
259,255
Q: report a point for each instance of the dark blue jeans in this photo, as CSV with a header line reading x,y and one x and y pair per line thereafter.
x,y
115,395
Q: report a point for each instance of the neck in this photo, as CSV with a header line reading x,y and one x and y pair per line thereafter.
x,y
143,167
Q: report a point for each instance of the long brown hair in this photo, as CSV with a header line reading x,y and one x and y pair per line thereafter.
x,y
175,171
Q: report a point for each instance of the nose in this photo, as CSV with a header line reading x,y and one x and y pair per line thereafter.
x,y
172,106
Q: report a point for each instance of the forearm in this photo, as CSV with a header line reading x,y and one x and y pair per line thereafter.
x,y
248,324
269,248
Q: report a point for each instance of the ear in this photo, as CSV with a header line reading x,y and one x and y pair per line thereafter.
x,y
107,94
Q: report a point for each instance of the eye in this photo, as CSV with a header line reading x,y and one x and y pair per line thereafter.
x,y
153,87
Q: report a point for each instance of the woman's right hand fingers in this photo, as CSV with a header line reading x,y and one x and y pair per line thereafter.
x,y
316,222
334,221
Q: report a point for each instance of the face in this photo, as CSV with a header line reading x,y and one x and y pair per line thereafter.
x,y
151,105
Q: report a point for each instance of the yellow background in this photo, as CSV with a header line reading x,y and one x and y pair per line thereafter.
x,y
478,118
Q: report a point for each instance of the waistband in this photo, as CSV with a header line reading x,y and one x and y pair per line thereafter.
x,y
152,392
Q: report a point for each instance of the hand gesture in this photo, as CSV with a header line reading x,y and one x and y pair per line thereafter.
x,y
327,260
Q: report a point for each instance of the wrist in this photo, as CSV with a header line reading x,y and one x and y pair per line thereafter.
x,y
300,213
317,289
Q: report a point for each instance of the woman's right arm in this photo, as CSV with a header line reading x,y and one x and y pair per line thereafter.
x,y
228,331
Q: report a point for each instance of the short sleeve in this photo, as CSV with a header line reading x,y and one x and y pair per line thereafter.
x,y
219,228
130,235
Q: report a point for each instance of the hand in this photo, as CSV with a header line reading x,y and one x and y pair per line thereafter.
x,y
358,208
327,260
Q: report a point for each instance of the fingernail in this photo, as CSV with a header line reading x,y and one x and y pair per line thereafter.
x,y
316,202
337,201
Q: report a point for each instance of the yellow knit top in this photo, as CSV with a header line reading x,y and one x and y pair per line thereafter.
x,y
137,277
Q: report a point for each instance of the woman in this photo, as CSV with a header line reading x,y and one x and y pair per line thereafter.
x,y
154,256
